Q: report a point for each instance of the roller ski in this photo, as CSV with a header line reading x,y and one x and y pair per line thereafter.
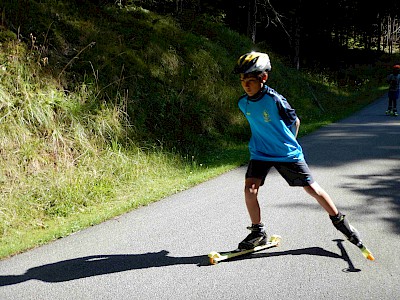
x,y
341,224
392,113
254,242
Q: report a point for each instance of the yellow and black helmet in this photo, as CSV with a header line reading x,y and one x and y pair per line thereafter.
x,y
253,62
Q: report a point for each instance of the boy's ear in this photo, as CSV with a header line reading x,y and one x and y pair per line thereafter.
x,y
264,77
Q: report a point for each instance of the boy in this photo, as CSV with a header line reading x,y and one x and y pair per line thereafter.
x,y
394,87
274,126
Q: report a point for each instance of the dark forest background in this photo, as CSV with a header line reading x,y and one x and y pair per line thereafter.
x,y
310,32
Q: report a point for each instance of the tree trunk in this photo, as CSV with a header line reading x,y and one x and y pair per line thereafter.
x,y
296,39
252,20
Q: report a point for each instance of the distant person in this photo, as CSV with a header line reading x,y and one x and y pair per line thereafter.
x,y
274,126
394,88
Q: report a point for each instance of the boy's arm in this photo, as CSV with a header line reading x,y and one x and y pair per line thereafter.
x,y
295,127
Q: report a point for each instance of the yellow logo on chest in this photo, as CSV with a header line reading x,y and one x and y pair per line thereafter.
x,y
266,116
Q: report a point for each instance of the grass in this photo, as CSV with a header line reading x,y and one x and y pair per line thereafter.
x,y
99,189
99,118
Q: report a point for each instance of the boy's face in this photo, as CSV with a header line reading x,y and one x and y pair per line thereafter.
x,y
252,83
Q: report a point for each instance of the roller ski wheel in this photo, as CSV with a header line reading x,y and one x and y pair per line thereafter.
x,y
365,251
215,257
357,241
392,113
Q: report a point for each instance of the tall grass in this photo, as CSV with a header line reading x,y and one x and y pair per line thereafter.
x,y
66,160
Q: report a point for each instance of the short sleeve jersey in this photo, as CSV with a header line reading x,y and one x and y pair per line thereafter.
x,y
271,117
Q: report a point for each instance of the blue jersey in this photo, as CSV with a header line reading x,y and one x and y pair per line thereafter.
x,y
271,117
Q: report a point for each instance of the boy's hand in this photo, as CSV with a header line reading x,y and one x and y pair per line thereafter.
x,y
295,127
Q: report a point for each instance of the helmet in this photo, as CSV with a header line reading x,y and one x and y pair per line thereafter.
x,y
253,62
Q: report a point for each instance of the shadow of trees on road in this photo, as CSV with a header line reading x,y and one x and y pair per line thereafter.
x,y
381,190
364,138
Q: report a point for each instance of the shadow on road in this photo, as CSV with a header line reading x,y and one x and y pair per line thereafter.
x,y
96,265
365,138
315,251
346,257
380,193
348,142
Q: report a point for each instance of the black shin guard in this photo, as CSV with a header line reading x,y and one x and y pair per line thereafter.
x,y
341,224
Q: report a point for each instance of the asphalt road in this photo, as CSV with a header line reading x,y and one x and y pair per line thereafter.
x,y
160,251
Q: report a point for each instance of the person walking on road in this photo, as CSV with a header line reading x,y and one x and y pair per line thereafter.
x,y
394,88
274,126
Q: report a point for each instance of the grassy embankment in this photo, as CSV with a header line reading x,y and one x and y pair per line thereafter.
x,y
107,110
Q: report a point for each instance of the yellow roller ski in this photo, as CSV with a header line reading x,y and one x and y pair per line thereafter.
x,y
367,254
216,257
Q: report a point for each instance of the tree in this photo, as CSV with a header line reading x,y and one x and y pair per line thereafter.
x,y
252,19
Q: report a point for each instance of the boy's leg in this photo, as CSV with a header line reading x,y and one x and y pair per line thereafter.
x,y
390,104
250,194
337,218
298,174
316,191
257,236
255,176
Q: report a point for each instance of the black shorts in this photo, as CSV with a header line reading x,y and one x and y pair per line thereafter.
x,y
295,173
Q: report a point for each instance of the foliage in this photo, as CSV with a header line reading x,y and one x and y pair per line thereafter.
x,y
320,29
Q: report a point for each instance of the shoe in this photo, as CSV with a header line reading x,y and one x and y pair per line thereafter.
x,y
395,114
257,237
341,224
388,112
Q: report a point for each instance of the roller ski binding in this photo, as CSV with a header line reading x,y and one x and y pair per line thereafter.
x,y
255,241
257,237
341,224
